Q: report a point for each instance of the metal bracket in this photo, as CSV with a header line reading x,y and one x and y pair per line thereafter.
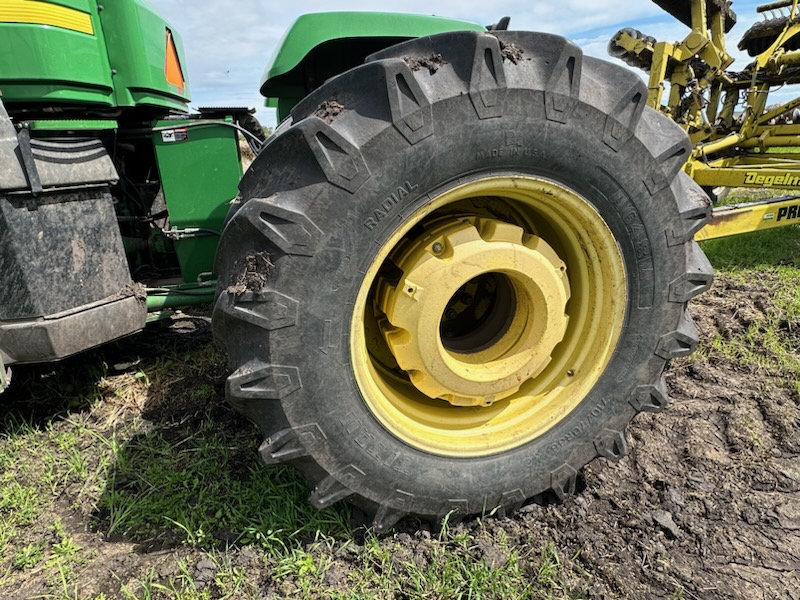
x,y
751,216
28,163
187,232
5,376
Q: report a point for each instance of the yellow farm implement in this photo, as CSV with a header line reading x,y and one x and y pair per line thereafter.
x,y
740,139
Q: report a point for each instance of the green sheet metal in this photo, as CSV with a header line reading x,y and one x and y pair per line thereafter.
x,y
336,41
199,168
69,125
43,62
137,48
179,296
72,52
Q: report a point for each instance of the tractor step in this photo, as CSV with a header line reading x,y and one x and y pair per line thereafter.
x,y
58,336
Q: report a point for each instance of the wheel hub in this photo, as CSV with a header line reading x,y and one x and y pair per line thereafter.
x,y
478,310
491,347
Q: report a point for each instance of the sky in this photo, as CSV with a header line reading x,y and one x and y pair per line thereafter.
x,y
228,44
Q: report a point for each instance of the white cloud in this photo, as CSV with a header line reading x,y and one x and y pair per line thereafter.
x,y
228,45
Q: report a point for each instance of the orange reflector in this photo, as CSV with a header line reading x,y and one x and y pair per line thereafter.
x,y
172,65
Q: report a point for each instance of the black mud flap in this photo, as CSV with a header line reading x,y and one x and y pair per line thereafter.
x,y
65,284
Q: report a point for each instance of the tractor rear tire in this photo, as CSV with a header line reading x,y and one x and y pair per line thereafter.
x,y
457,274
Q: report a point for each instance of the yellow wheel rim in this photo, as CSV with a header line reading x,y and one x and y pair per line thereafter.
x,y
488,316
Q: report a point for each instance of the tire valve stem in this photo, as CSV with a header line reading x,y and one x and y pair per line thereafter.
x,y
570,373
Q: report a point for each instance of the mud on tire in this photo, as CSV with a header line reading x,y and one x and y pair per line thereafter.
x,y
558,199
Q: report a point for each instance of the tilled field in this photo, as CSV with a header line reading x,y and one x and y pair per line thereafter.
x,y
707,503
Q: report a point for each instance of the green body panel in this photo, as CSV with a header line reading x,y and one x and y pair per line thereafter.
x,y
136,40
119,64
61,126
54,65
199,168
330,43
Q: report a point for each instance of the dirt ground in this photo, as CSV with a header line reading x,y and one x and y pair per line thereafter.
x,y
708,500
706,504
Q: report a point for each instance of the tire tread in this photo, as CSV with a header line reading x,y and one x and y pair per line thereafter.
x,y
404,100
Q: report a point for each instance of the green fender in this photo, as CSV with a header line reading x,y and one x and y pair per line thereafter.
x,y
320,45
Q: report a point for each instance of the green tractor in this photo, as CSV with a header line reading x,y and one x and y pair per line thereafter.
x,y
450,278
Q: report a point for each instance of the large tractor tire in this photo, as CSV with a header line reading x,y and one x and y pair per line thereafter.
x,y
457,273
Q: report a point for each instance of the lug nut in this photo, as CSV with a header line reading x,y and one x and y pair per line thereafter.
x,y
437,248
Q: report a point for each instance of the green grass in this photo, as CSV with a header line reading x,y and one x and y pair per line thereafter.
x,y
189,478
195,485
153,460
761,250
451,565
769,262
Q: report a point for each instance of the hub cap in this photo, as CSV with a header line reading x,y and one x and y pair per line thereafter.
x,y
467,334
488,316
